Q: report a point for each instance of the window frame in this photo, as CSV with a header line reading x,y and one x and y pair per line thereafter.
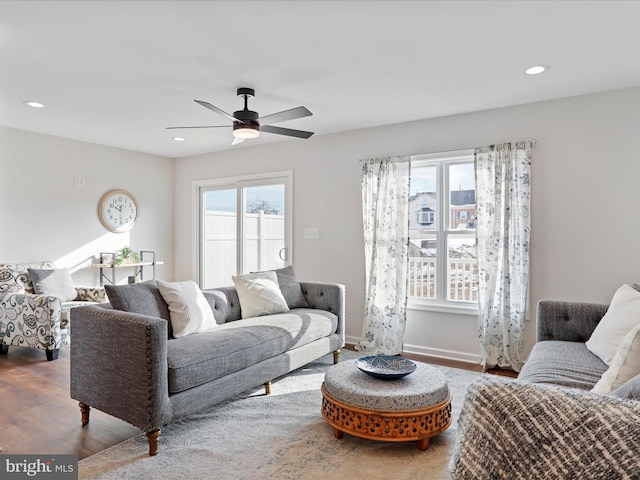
x,y
442,161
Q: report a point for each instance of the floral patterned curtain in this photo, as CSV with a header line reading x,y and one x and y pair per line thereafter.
x,y
503,186
385,212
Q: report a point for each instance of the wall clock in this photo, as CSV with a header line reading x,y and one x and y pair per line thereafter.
x,y
118,210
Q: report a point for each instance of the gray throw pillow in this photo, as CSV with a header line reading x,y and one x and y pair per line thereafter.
x,y
56,283
142,298
629,390
290,288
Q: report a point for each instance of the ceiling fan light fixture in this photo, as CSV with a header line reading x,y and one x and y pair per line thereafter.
x,y
246,131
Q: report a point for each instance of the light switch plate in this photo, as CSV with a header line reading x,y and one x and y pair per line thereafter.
x,y
311,233
79,182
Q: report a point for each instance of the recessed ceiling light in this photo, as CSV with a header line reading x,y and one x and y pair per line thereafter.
x,y
33,104
537,69
178,139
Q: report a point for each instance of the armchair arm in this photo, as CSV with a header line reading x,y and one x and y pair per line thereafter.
x,y
92,294
30,321
119,365
329,297
568,321
515,430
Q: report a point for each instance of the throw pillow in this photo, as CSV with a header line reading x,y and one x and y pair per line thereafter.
x,y
621,317
259,294
56,283
143,298
189,311
630,390
624,366
290,288
14,277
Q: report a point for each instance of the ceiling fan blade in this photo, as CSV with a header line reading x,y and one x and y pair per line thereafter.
x,y
237,140
201,126
285,131
217,110
297,112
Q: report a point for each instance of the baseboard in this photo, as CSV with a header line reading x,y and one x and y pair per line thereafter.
x,y
444,354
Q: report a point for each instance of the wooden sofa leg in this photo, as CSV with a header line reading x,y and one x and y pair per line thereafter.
x,y
336,357
267,388
152,438
4,349
85,410
52,354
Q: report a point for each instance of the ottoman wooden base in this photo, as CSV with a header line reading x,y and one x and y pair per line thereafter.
x,y
398,426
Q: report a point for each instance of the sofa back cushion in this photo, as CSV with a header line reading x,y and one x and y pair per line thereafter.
x,y
142,298
290,288
14,277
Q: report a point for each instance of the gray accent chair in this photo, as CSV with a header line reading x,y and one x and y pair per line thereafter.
x,y
547,424
127,365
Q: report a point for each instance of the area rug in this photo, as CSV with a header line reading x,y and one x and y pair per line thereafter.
x,y
283,435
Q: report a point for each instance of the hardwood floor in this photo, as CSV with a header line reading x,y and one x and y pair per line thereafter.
x,y
37,415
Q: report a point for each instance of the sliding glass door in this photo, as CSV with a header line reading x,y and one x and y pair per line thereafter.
x,y
245,226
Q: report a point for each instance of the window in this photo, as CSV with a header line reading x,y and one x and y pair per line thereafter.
x,y
426,216
443,270
244,226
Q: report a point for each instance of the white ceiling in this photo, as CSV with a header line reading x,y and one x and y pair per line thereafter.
x,y
118,72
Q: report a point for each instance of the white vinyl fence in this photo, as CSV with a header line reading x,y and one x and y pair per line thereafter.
x,y
263,241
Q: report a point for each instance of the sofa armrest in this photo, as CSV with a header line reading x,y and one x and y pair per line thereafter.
x,y
329,297
515,430
119,365
568,321
30,320
92,294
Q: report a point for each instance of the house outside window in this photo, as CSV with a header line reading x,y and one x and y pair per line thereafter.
x,y
443,270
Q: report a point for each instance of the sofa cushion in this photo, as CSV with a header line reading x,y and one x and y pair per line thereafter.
x,y
290,288
259,294
14,277
568,364
56,283
198,359
143,298
624,366
189,311
623,314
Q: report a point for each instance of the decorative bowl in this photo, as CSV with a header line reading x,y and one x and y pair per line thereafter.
x,y
386,367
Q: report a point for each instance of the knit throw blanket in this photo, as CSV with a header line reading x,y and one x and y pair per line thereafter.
x,y
514,430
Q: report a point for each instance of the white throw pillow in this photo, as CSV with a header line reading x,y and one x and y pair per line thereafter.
x,y
259,294
624,366
189,311
621,317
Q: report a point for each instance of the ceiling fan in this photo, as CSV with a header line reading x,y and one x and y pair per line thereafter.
x,y
247,123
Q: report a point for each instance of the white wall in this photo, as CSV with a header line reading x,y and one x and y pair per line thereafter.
x,y
585,226
44,217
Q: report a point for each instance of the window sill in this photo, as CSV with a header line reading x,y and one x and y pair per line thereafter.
x,y
422,305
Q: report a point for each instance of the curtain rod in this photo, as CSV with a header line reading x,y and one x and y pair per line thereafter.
x,y
533,142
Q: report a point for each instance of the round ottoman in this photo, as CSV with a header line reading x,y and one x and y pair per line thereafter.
x,y
415,407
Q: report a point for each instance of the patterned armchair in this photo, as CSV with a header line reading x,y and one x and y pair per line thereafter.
x,y
29,319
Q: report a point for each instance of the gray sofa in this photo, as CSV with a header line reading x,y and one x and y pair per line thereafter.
x,y
127,365
546,424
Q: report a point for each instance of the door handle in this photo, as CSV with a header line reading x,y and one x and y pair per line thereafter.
x,y
283,254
